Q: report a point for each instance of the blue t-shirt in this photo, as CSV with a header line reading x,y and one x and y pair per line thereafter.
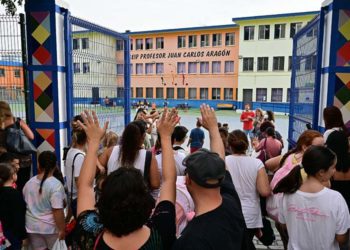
x,y
197,138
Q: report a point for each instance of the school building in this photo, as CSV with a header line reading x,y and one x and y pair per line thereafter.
x,y
11,80
184,65
265,55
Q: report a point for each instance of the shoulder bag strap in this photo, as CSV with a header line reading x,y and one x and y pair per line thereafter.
x,y
71,186
98,239
146,173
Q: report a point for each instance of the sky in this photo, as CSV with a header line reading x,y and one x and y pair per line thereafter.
x,y
141,15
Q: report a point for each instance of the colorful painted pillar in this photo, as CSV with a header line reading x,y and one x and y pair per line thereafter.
x,y
335,67
48,73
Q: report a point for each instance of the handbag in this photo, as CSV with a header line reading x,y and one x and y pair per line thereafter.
x,y
60,245
17,141
263,156
268,236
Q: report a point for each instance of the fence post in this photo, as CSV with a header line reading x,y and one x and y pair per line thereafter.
x,y
335,68
47,70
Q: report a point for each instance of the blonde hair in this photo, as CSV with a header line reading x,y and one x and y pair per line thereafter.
x,y
5,111
110,139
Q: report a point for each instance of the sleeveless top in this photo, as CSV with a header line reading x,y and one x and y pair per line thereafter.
x,y
113,161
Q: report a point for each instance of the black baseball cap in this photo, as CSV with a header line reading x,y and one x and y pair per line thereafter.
x,y
203,166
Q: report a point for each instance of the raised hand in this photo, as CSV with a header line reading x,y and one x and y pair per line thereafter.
x,y
167,122
208,118
92,127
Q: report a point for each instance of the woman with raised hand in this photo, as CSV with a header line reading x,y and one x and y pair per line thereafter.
x,y
130,152
45,198
315,216
121,217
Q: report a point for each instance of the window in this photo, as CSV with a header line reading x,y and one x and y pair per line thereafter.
x,y
181,67
248,64
139,68
17,73
139,92
205,40
216,39
131,69
86,67
216,67
229,66
288,95
310,63
230,39
149,92
85,43
261,94
159,93
280,31
132,92
192,93
181,42
276,94
149,43
76,43
170,93
180,93
203,93
294,28
192,41
228,93
159,68
149,68
192,67
263,63
215,93
76,67
120,45
204,67
160,43
249,33
120,69
290,63
131,44
139,44
278,63
264,32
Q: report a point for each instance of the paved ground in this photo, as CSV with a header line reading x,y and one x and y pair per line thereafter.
x,y
277,244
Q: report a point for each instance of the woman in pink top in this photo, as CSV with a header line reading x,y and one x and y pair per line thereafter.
x,y
272,146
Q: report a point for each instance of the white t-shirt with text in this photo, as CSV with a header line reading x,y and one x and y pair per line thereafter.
x,y
313,219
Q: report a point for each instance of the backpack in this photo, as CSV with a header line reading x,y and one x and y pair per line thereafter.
x,y
4,243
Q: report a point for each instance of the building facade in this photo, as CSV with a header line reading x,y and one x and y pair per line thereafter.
x,y
11,80
185,65
265,55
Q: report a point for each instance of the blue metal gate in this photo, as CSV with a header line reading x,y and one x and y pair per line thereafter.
x,y
101,79
305,85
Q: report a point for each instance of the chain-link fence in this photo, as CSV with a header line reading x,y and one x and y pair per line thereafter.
x,y
12,74
99,70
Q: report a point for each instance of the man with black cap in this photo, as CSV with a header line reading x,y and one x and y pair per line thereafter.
x,y
219,222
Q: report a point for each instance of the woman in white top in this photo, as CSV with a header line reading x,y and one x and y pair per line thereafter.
x,y
130,153
250,180
315,216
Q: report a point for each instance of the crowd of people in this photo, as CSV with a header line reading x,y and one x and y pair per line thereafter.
x,y
144,189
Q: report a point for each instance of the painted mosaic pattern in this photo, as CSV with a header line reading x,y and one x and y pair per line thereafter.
x,y
45,139
343,55
43,96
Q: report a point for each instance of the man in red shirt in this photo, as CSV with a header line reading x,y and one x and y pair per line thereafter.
x,y
247,117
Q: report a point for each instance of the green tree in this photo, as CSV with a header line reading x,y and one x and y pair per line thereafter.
x,y
11,5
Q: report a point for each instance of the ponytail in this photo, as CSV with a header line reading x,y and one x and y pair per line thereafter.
x,y
290,183
47,163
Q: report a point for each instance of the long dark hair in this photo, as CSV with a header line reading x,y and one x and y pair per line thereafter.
x,y
125,203
305,139
6,171
47,163
130,142
333,118
315,159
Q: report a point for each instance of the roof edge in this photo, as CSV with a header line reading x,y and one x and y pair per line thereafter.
x,y
275,16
